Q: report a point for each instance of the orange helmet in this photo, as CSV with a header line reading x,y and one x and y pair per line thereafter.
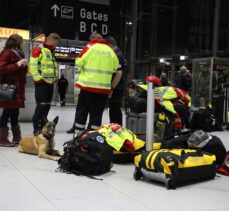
x,y
154,79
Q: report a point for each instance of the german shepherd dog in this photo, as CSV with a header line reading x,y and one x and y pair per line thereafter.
x,y
42,144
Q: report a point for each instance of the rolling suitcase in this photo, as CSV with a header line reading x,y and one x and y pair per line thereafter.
x,y
175,167
137,124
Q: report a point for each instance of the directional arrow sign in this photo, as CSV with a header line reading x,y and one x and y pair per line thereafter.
x,y
55,8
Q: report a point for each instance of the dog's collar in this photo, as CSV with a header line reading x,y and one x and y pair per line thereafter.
x,y
48,137
49,143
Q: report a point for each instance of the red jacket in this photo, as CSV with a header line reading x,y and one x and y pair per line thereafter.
x,y
10,73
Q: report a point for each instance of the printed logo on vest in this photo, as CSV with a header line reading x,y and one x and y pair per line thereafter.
x,y
100,139
48,56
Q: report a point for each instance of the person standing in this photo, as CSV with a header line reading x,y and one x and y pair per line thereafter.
x,y
181,80
96,63
13,69
43,67
163,79
118,85
62,85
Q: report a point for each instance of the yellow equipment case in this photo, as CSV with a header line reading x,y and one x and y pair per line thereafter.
x,y
175,167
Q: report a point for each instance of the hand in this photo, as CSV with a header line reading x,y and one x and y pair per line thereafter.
x,y
110,94
22,62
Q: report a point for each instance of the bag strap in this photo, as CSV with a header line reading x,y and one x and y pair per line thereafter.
x,y
185,155
17,54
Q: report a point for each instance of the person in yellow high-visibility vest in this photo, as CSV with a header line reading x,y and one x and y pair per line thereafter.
x,y
43,68
97,63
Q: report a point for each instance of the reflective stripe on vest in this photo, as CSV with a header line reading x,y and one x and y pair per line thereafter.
x,y
107,72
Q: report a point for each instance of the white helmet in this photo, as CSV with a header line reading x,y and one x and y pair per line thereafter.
x,y
199,139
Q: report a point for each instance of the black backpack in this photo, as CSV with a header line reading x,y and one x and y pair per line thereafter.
x,y
202,119
87,154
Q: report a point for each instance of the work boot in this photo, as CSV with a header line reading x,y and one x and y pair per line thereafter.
x,y
4,142
72,130
36,132
16,131
38,126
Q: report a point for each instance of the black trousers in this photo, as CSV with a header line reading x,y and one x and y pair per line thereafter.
x,y
11,113
115,104
62,95
43,97
92,104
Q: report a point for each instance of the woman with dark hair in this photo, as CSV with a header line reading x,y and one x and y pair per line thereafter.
x,y
13,69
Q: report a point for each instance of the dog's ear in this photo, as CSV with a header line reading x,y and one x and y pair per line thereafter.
x,y
56,120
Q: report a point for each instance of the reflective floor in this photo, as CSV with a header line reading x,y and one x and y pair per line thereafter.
x,y
30,183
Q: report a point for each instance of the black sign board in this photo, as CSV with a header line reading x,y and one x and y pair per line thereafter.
x,y
67,51
92,18
60,16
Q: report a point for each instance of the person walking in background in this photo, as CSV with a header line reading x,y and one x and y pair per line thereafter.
x,y
118,85
13,69
43,68
62,85
96,63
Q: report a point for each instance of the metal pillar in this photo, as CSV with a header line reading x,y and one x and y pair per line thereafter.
x,y
150,115
174,26
216,28
133,39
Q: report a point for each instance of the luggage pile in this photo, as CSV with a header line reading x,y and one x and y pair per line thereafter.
x,y
188,158
177,157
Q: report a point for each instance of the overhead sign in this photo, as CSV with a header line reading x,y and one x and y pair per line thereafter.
x,y
59,16
70,18
6,32
92,18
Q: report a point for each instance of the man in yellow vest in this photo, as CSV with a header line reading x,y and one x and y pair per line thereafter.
x,y
43,68
97,62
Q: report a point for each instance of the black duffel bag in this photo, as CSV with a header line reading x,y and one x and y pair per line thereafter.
x,y
198,140
136,104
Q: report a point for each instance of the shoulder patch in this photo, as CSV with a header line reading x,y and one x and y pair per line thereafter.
x,y
100,139
36,52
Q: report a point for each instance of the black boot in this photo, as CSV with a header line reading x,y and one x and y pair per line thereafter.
x,y
37,127
72,130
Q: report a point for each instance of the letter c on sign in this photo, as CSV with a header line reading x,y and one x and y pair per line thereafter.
x,y
93,27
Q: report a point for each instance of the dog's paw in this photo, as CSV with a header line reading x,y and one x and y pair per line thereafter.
x,y
56,159
61,154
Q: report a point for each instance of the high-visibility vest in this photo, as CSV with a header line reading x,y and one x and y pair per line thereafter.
x,y
164,94
44,66
96,67
116,135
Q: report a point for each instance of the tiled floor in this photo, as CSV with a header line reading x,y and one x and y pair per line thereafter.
x,y
30,183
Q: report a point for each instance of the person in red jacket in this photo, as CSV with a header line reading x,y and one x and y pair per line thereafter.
x,y
13,69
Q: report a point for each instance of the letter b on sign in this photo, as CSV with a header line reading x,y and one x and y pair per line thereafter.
x,y
83,26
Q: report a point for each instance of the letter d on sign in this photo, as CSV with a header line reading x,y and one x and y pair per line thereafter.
x,y
104,29
83,27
